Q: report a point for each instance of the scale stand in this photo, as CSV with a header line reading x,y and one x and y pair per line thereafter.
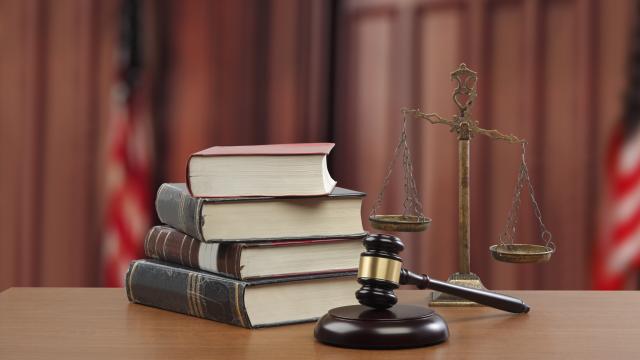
x,y
464,127
412,218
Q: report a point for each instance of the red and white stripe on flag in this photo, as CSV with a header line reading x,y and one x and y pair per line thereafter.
x,y
128,194
618,251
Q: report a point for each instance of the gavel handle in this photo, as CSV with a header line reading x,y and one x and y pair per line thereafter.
x,y
488,298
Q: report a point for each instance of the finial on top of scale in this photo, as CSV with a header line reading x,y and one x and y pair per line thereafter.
x,y
465,91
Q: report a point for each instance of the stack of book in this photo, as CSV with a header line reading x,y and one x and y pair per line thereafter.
x,y
258,236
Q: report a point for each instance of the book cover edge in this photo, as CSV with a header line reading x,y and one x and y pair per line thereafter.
x,y
328,145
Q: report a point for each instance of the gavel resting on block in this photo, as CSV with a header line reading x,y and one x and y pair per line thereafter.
x,y
381,324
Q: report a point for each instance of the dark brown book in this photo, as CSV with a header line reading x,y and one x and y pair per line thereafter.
x,y
250,304
254,260
261,218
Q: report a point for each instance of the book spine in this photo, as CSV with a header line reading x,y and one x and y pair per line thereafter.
x,y
175,207
166,244
228,259
187,172
187,292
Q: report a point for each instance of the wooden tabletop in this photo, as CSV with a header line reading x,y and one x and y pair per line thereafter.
x,y
100,323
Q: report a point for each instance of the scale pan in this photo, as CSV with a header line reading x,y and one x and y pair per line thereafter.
x,y
399,223
521,253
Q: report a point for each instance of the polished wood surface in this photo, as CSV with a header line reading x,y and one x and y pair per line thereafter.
x,y
80,323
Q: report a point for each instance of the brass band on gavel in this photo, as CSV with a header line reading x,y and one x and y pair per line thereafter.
x,y
372,267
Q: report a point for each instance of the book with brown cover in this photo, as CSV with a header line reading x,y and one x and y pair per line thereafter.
x,y
178,209
205,295
167,244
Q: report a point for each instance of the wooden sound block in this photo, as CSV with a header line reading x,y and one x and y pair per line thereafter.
x,y
401,326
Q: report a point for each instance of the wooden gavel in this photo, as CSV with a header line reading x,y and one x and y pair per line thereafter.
x,y
381,272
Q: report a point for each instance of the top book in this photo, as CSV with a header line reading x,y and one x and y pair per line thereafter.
x,y
260,170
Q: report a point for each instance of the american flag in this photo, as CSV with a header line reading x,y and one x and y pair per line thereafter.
x,y
128,162
617,255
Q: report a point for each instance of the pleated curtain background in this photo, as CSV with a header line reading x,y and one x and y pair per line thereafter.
x,y
277,71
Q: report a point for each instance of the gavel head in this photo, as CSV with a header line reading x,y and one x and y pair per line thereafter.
x,y
379,271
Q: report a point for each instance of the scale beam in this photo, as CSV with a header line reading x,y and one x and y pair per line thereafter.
x,y
497,135
432,118
435,119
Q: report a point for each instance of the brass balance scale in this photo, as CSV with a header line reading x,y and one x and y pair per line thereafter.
x,y
413,219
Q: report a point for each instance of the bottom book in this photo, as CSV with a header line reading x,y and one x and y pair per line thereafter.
x,y
250,304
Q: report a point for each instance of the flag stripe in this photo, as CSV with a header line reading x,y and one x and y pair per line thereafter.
x,y
128,165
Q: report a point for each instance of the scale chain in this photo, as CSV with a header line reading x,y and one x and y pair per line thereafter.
x,y
387,177
544,233
509,232
411,201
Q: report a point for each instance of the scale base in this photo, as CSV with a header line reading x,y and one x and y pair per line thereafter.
x,y
469,280
362,327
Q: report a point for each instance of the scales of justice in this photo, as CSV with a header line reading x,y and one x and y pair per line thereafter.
x,y
412,218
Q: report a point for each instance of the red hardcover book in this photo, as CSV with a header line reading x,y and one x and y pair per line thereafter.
x,y
260,170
